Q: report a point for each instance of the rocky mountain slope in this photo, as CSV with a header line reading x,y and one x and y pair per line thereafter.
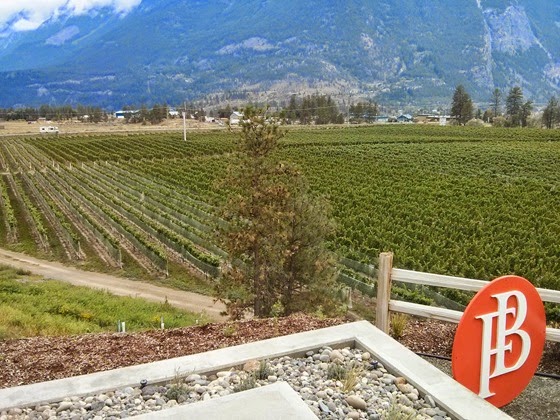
x,y
413,51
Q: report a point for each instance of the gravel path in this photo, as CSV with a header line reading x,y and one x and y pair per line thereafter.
x,y
189,301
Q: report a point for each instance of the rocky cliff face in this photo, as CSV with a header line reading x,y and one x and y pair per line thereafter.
x,y
413,51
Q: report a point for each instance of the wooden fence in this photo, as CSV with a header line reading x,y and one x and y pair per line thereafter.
x,y
387,274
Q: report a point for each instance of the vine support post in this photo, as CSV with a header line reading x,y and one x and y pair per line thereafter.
x,y
384,291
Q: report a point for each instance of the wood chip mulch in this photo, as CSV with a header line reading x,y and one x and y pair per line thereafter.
x,y
37,359
30,360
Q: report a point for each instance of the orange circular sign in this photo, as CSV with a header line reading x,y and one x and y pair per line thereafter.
x,y
500,340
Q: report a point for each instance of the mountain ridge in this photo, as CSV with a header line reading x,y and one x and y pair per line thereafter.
x,y
404,52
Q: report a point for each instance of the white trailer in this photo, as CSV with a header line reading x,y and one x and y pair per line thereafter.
x,y
50,129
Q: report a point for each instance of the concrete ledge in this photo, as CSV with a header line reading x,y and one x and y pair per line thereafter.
x,y
166,370
457,400
272,402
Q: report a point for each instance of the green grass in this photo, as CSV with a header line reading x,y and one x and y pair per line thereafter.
x,y
31,306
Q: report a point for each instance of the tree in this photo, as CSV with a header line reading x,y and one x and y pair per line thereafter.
x,y
514,106
551,114
291,114
496,101
314,109
275,230
462,106
224,112
526,110
488,116
363,112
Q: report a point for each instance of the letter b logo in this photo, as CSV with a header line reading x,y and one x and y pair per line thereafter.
x,y
500,339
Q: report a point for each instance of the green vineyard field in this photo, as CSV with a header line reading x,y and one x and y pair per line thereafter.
x,y
471,202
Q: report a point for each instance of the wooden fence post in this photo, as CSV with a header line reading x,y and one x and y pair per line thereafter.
x,y
384,291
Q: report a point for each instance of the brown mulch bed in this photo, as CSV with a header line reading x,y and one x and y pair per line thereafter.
x,y
31,360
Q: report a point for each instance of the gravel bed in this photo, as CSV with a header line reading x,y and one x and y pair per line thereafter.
x,y
335,383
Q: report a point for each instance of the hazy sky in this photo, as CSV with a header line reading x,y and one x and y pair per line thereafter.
x,y
26,15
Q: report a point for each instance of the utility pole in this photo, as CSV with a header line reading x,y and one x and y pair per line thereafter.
x,y
184,126
185,121
348,110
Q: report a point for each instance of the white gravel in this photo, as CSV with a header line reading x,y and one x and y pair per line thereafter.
x,y
335,383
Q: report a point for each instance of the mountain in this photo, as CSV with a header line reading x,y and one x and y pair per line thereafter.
x,y
400,52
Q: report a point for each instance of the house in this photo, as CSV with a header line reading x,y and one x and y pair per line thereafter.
x,y
433,119
443,119
209,119
123,114
173,112
427,118
235,118
405,118
381,119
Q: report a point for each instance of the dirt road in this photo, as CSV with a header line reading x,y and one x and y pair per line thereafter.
x,y
193,302
10,128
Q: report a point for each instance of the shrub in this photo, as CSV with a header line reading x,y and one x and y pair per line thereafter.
x,y
475,122
263,371
177,392
337,372
499,121
249,383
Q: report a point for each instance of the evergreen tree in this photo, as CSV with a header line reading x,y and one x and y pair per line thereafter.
x,y
314,109
496,101
275,231
363,112
526,110
291,114
514,106
551,114
462,106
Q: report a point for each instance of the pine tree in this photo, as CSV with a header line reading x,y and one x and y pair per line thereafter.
x,y
275,230
551,114
526,110
496,101
462,106
514,106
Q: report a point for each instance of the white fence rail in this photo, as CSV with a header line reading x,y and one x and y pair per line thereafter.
x,y
387,274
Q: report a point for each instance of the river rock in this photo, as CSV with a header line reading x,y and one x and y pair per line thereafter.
x,y
97,405
65,405
251,365
192,377
336,356
354,415
430,400
356,402
405,388
146,391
